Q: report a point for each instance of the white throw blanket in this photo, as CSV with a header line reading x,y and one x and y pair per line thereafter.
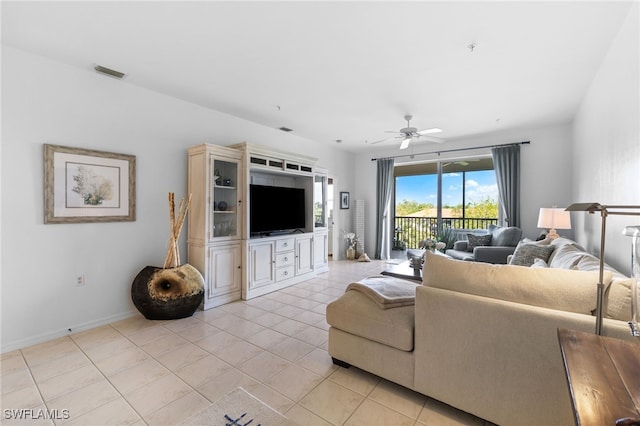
x,y
387,292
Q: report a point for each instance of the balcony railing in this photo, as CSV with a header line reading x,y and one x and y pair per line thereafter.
x,y
411,230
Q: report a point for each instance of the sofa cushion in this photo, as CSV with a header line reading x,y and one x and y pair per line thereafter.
x,y
617,299
504,236
358,314
561,241
589,262
477,241
617,295
526,253
567,290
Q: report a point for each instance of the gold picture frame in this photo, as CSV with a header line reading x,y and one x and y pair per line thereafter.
x,y
85,185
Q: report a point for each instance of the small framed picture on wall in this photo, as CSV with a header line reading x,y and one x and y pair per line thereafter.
x,y
344,200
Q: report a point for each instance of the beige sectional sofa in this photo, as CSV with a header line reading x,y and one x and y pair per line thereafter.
x,y
483,337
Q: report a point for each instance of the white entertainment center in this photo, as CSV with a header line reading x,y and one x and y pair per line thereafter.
x,y
291,245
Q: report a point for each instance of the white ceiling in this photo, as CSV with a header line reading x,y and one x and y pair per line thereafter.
x,y
340,70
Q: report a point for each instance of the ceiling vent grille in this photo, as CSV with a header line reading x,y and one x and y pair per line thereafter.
x,y
109,72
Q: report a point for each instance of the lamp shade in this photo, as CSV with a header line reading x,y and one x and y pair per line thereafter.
x,y
554,218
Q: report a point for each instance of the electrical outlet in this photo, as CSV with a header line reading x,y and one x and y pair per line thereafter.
x,y
80,280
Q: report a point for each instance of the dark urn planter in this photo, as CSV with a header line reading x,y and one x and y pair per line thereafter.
x,y
167,293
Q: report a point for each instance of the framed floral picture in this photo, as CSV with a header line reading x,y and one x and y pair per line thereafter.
x,y
84,185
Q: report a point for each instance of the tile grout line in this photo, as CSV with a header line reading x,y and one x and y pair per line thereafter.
x,y
107,378
167,368
35,383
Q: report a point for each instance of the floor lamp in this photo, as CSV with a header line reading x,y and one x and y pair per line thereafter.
x,y
634,232
604,212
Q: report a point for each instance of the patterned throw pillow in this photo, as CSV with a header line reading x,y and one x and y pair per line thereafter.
x,y
477,240
526,254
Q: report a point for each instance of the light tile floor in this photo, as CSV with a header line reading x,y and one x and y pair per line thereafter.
x,y
137,372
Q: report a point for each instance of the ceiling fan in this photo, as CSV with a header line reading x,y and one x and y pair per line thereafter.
x,y
409,133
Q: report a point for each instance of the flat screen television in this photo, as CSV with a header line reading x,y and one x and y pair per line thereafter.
x,y
275,209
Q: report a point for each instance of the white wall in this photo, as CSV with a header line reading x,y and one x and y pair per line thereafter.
x,y
545,171
606,148
48,102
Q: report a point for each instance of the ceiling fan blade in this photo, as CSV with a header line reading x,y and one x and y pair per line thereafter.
x,y
432,139
405,143
429,131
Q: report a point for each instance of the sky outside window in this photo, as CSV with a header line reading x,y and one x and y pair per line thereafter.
x,y
480,185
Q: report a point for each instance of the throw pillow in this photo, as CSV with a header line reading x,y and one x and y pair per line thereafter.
x,y
567,256
525,254
477,240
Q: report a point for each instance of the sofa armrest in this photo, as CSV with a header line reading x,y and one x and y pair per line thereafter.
x,y
472,351
492,254
460,245
460,254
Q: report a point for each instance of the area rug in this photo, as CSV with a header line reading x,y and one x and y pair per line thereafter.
x,y
238,408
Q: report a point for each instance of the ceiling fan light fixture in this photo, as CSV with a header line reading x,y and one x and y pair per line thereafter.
x,y
407,134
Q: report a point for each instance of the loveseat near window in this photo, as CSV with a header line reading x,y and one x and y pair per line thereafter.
x,y
494,245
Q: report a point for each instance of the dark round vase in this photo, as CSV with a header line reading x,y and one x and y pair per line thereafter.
x,y
167,293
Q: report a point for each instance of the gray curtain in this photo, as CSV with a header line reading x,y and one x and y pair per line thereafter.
x,y
506,162
384,186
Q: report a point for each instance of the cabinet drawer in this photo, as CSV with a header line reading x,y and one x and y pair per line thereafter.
x,y
284,245
284,273
284,259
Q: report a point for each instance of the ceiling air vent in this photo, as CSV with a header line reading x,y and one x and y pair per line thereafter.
x,y
109,72
285,129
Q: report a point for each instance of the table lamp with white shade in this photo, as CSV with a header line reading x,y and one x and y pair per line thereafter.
x,y
553,218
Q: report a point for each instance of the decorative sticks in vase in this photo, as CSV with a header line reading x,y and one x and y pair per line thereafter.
x,y
173,253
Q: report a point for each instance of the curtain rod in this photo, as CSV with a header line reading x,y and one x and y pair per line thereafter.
x,y
452,150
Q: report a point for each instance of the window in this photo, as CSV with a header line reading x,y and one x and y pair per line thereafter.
x,y
447,194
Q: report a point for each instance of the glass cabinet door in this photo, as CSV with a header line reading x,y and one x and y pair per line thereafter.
x,y
320,201
224,199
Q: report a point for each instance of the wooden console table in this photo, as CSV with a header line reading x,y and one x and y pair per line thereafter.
x,y
604,378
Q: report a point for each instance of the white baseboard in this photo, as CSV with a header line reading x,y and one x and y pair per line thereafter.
x,y
45,337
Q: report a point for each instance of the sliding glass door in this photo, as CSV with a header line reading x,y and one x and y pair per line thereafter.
x,y
433,196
